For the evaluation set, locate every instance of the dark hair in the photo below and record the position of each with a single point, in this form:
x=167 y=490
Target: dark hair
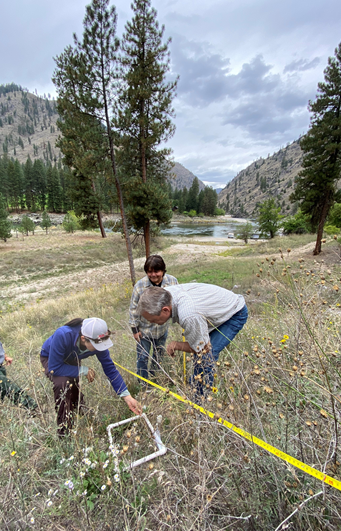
x=155 y=262
x=74 y=322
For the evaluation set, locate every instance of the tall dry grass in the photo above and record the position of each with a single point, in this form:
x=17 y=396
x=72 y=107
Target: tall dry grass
x=279 y=380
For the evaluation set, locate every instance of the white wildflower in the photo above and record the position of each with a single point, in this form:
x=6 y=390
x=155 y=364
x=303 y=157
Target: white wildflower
x=71 y=458
x=81 y=474
x=32 y=520
x=50 y=492
x=116 y=477
x=103 y=487
x=62 y=461
x=55 y=492
x=84 y=493
x=49 y=503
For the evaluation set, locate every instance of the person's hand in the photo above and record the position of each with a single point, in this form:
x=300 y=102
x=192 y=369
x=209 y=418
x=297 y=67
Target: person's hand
x=133 y=404
x=171 y=348
x=8 y=360
x=138 y=336
x=91 y=375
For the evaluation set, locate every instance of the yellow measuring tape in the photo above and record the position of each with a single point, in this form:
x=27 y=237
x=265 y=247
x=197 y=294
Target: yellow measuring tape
x=282 y=455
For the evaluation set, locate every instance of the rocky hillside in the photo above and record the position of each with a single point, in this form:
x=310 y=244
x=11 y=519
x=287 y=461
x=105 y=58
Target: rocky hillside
x=180 y=178
x=28 y=126
x=264 y=178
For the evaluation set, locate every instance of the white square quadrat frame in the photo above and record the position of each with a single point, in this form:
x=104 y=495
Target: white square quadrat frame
x=155 y=434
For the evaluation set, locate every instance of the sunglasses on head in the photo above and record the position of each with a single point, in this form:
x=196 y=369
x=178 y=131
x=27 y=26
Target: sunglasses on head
x=100 y=338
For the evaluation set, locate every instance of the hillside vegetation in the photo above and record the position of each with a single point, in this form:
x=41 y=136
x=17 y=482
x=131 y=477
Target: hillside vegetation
x=264 y=178
x=28 y=126
x=279 y=380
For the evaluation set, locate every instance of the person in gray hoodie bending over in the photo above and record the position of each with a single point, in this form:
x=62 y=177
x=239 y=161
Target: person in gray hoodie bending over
x=11 y=389
x=210 y=315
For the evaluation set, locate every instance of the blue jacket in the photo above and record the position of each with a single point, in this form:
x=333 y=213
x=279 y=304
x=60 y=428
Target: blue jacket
x=65 y=358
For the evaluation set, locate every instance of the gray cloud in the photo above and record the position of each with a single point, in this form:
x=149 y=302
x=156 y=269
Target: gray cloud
x=247 y=68
x=301 y=65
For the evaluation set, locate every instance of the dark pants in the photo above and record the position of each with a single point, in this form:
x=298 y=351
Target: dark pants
x=143 y=349
x=14 y=392
x=67 y=397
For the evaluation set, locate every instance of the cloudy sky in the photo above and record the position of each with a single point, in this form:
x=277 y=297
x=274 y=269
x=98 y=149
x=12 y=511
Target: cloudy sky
x=247 y=68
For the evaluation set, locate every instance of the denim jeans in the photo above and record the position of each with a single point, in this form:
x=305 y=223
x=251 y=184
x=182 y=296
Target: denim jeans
x=220 y=338
x=143 y=349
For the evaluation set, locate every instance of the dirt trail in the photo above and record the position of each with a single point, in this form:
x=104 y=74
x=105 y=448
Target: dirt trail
x=76 y=281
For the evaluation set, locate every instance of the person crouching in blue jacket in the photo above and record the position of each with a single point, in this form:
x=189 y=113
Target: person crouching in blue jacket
x=62 y=355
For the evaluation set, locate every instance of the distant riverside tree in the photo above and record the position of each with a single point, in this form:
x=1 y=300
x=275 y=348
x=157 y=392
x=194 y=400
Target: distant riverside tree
x=46 y=221
x=316 y=184
x=5 y=224
x=297 y=224
x=269 y=218
x=54 y=190
x=84 y=78
x=70 y=222
x=145 y=117
x=26 y=225
x=193 y=193
x=244 y=231
x=209 y=201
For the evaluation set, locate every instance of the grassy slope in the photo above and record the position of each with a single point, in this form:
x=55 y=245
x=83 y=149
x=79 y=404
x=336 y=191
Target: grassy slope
x=271 y=386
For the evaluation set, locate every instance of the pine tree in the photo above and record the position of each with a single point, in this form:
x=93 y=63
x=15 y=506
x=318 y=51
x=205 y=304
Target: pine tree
x=84 y=79
x=28 y=185
x=46 y=221
x=26 y=225
x=39 y=183
x=192 y=199
x=15 y=183
x=70 y=222
x=5 y=224
x=54 y=190
x=209 y=201
x=145 y=114
x=316 y=185
x=4 y=185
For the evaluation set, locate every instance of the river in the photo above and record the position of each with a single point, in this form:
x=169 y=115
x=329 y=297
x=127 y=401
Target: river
x=213 y=230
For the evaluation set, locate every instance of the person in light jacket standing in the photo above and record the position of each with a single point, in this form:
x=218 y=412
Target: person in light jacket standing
x=146 y=334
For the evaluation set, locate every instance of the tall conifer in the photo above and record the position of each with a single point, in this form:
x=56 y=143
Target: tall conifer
x=145 y=115
x=316 y=184
x=84 y=79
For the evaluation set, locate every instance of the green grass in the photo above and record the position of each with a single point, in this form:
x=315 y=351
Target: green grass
x=225 y=273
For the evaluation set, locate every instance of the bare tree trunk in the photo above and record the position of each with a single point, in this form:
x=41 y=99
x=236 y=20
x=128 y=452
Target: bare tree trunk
x=146 y=232
x=322 y=221
x=99 y=216
x=117 y=183
x=100 y=222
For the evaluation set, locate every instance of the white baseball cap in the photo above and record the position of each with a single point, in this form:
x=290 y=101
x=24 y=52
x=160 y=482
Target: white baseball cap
x=96 y=331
